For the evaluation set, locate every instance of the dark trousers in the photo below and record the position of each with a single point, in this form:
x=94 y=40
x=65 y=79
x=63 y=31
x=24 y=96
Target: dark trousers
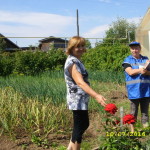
x=144 y=106
x=81 y=123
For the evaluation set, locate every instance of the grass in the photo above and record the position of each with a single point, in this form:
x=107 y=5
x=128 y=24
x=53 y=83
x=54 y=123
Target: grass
x=48 y=85
x=52 y=85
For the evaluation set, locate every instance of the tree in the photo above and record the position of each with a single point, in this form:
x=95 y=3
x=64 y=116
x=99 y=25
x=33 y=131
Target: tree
x=88 y=44
x=2 y=45
x=120 y=31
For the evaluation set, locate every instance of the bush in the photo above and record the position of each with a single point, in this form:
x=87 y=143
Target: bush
x=100 y=58
x=6 y=64
x=31 y=62
x=106 y=58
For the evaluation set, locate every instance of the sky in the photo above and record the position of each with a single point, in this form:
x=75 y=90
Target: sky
x=44 y=18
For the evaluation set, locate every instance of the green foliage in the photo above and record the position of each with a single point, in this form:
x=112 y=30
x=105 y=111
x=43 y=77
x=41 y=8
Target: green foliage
x=121 y=142
x=36 y=118
x=106 y=58
x=118 y=137
x=101 y=58
x=61 y=148
x=106 y=76
x=31 y=63
x=40 y=142
x=57 y=58
x=7 y=63
x=88 y=44
x=118 y=31
x=19 y=113
x=86 y=146
x=43 y=86
x=2 y=45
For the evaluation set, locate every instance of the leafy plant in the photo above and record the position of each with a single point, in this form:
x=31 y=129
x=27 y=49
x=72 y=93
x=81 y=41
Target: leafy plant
x=106 y=58
x=120 y=137
x=40 y=142
x=2 y=45
x=31 y=62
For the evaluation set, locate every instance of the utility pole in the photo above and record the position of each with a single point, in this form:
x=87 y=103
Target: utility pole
x=77 y=23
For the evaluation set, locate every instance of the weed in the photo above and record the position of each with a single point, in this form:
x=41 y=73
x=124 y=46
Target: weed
x=40 y=142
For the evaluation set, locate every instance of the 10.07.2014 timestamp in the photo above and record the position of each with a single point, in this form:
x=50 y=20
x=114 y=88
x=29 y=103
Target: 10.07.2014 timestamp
x=125 y=133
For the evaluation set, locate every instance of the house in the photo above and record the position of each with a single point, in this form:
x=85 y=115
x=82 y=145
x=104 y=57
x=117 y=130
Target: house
x=33 y=48
x=142 y=34
x=9 y=45
x=47 y=43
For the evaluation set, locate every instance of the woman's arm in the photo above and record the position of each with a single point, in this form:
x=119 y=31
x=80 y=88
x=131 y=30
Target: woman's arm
x=77 y=77
x=133 y=72
x=147 y=73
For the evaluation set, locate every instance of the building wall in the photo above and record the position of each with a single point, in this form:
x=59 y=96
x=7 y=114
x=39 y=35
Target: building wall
x=46 y=46
x=57 y=44
x=143 y=38
x=149 y=42
x=143 y=34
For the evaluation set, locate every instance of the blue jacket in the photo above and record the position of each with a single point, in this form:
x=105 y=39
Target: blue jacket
x=138 y=86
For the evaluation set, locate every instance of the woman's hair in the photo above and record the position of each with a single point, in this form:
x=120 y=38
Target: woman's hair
x=75 y=41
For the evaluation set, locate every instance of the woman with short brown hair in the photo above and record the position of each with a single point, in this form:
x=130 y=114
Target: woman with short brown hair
x=78 y=90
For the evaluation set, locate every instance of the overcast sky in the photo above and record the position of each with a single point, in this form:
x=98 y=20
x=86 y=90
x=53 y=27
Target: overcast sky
x=44 y=18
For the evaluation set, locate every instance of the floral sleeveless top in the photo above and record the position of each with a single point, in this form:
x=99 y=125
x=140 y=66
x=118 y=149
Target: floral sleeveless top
x=77 y=99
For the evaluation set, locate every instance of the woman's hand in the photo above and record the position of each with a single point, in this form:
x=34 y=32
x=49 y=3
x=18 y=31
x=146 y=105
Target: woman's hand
x=100 y=99
x=143 y=71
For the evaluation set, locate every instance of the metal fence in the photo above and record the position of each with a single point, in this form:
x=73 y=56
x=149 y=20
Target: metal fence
x=45 y=43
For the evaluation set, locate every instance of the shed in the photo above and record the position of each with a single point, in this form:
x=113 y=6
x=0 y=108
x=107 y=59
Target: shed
x=45 y=44
x=142 y=34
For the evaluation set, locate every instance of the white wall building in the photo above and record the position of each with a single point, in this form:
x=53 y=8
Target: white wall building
x=143 y=34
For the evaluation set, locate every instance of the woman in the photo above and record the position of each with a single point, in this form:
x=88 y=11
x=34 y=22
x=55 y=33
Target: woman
x=137 y=82
x=78 y=90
